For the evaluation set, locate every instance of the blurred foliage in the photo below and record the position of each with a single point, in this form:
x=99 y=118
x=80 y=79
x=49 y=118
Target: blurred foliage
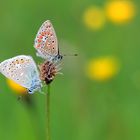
x=81 y=108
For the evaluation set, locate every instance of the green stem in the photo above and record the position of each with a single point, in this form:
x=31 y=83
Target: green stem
x=48 y=113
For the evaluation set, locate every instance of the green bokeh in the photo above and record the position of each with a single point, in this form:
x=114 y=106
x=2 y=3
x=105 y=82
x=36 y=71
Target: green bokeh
x=81 y=109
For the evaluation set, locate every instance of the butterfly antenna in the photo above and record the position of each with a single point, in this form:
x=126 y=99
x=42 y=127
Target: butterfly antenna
x=71 y=54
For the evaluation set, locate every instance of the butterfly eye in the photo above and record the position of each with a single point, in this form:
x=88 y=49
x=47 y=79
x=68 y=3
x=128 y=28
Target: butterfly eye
x=29 y=91
x=60 y=57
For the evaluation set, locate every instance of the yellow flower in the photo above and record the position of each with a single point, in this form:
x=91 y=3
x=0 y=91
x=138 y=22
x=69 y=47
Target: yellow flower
x=120 y=11
x=94 y=18
x=16 y=87
x=102 y=68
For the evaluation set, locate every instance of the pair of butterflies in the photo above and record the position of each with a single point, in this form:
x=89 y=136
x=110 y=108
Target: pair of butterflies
x=23 y=70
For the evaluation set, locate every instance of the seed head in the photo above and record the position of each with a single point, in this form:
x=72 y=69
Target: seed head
x=48 y=71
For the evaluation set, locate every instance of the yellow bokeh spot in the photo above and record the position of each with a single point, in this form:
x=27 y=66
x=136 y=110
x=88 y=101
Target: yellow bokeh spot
x=16 y=87
x=94 y=18
x=120 y=11
x=102 y=68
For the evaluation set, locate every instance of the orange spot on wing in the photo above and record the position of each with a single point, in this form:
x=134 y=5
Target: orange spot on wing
x=39 y=40
x=40 y=37
x=22 y=61
x=38 y=46
x=42 y=34
x=47 y=32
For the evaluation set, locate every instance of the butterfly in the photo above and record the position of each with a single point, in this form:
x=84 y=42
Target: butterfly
x=23 y=70
x=46 y=43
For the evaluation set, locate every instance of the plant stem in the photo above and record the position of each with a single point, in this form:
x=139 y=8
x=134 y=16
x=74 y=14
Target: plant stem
x=48 y=113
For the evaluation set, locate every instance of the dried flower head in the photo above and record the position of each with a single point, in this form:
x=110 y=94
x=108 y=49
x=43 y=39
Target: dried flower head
x=48 y=71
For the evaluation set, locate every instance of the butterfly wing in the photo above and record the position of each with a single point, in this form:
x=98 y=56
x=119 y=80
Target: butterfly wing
x=46 y=42
x=20 y=69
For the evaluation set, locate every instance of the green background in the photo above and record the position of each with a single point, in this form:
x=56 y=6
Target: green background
x=81 y=109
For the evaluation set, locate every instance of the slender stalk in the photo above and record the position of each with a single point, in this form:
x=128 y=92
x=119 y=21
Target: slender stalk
x=48 y=113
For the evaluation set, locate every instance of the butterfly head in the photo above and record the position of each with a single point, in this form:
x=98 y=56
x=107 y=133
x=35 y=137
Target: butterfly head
x=57 y=58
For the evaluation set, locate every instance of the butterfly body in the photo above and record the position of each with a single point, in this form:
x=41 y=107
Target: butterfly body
x=36 y=85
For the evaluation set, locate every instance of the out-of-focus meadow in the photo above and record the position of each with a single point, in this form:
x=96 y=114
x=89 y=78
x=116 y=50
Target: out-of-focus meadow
x=98 y=95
